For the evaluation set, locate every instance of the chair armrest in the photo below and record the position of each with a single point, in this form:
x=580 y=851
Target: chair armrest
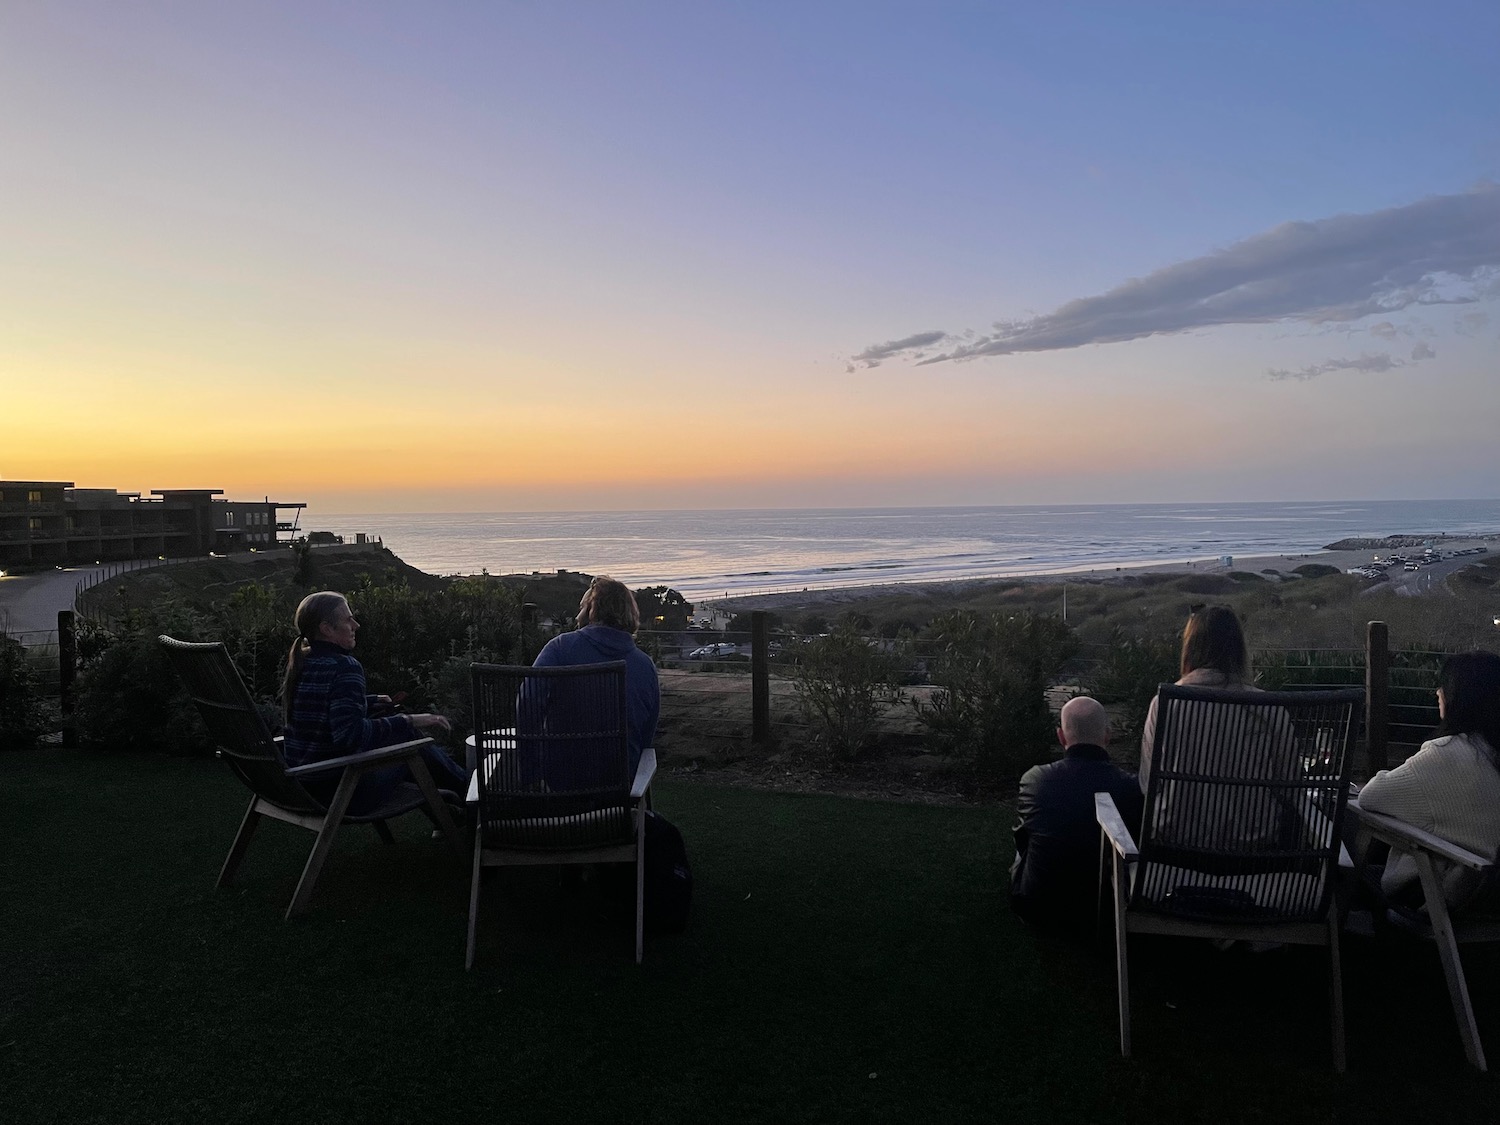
x=1412 y=838
x=378 y=756
x=1113 y=827
x=645 y=770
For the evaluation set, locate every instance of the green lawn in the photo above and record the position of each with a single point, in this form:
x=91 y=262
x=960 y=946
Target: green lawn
x=847 y=961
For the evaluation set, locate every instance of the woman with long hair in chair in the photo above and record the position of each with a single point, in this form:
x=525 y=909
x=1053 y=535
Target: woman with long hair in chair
x=327 y=710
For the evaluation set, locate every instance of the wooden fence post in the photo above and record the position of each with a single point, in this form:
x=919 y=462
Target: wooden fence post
x=760 y=680
x=67 y=669
x=1377 y=695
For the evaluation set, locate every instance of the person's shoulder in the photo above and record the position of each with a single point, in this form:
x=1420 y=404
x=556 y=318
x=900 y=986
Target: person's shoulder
x=330 y=661
x=556 y=650
x=1043 y=773
x=1452 y=747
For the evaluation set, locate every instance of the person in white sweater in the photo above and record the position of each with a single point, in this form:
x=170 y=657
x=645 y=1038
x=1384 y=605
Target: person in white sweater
x=1451 y=786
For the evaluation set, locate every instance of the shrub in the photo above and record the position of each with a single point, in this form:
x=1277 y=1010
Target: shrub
x=1206 y=584
x=1289 y=668
x=407 y=637
x=1129 y=674
x=255 y=623
x=22 y=718
x=130 y=699
x=1245 y=576
x=843 y=684
x=663 y=608
x=1315 y=570
x=991 y=673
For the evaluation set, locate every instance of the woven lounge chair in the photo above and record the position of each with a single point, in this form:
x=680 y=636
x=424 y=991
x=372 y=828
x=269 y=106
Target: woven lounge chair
x=1478 y=921
x=552 y=780
x=1240 y=835
x=247 y=746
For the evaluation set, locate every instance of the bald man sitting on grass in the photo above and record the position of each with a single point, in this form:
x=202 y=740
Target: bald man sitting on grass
x=1054 y=879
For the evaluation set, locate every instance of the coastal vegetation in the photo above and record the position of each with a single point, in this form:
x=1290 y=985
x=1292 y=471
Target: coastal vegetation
x=946 y=687
x=1313 y=606
x=419 y=635
x=990 y=674
x=23 y=718
x=843 y=684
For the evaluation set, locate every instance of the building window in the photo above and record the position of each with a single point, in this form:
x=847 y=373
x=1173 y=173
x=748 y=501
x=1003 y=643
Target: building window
x=228 y=519
x=35 y=523
x=72 y=522
x=34 y=496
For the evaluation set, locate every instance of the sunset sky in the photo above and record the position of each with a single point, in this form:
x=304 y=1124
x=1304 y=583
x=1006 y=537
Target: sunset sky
x=556 y=255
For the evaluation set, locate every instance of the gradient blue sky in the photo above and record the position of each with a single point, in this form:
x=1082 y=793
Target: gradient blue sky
x=552 y=255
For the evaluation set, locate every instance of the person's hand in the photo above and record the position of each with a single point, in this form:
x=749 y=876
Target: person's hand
x=431 y=722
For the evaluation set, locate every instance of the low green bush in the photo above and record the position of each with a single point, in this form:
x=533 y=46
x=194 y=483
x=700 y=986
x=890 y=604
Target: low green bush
x=1128 y=676
x=23 y=719
x=844 y=682
x=1315 y=570
x=130 y=699
x=990 y=675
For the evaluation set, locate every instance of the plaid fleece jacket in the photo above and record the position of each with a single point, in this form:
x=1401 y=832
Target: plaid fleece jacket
x=330 y=711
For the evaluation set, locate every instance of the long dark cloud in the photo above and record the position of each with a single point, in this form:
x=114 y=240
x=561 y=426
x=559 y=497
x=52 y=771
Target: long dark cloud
x=1442 y=250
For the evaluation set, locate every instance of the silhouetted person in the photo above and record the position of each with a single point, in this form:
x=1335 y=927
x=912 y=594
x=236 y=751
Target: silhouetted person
x=1055 y=877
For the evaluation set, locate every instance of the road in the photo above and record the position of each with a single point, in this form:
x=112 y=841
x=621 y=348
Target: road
x=29 y=603
x=1429 y=580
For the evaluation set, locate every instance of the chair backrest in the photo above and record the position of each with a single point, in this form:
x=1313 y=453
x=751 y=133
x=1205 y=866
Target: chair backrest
x=234 y=722
x=1244 y=802
x=551 y=744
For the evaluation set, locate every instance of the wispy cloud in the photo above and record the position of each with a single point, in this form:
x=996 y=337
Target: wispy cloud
x=1442 y=250
x=876 y=353
x=1365 y=362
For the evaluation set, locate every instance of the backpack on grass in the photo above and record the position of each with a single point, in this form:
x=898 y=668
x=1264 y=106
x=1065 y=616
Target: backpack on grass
x=668 y=880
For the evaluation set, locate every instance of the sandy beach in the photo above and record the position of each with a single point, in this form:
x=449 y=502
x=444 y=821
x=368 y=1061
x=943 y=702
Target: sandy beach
x=1275 y=567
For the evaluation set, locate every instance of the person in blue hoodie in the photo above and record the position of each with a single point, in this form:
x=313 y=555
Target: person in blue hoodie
x=607 y=622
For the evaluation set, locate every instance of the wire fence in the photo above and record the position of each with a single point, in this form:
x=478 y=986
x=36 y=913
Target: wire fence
x=707 y=674
x=43 y=657
x=707 y=685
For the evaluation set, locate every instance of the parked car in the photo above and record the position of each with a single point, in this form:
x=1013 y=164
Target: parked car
x=710 y=652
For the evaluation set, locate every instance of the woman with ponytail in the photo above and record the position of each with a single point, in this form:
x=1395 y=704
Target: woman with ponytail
x=327 y=711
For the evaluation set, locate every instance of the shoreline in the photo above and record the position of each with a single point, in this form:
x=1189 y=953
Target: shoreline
x=1342 y=555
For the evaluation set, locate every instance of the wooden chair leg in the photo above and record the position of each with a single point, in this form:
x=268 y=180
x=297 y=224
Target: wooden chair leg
x=437 y=808
x=241 y=842
x=1453 y=970
x=474 y=898
x=331 y=821
x=640 y=883
x=1336 y=992
x=383 y=830
x=1122 y=963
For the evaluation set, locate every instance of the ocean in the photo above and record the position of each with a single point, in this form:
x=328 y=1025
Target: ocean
x=720 y=553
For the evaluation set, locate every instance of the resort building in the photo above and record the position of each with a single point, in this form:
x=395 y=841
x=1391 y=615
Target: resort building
x=50 y=523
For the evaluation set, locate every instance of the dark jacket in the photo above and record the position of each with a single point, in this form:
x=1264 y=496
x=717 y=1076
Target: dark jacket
x=1054 y=879
x=599 y=644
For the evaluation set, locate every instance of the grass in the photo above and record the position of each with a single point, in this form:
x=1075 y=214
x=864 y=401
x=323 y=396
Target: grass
x=847 y=961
